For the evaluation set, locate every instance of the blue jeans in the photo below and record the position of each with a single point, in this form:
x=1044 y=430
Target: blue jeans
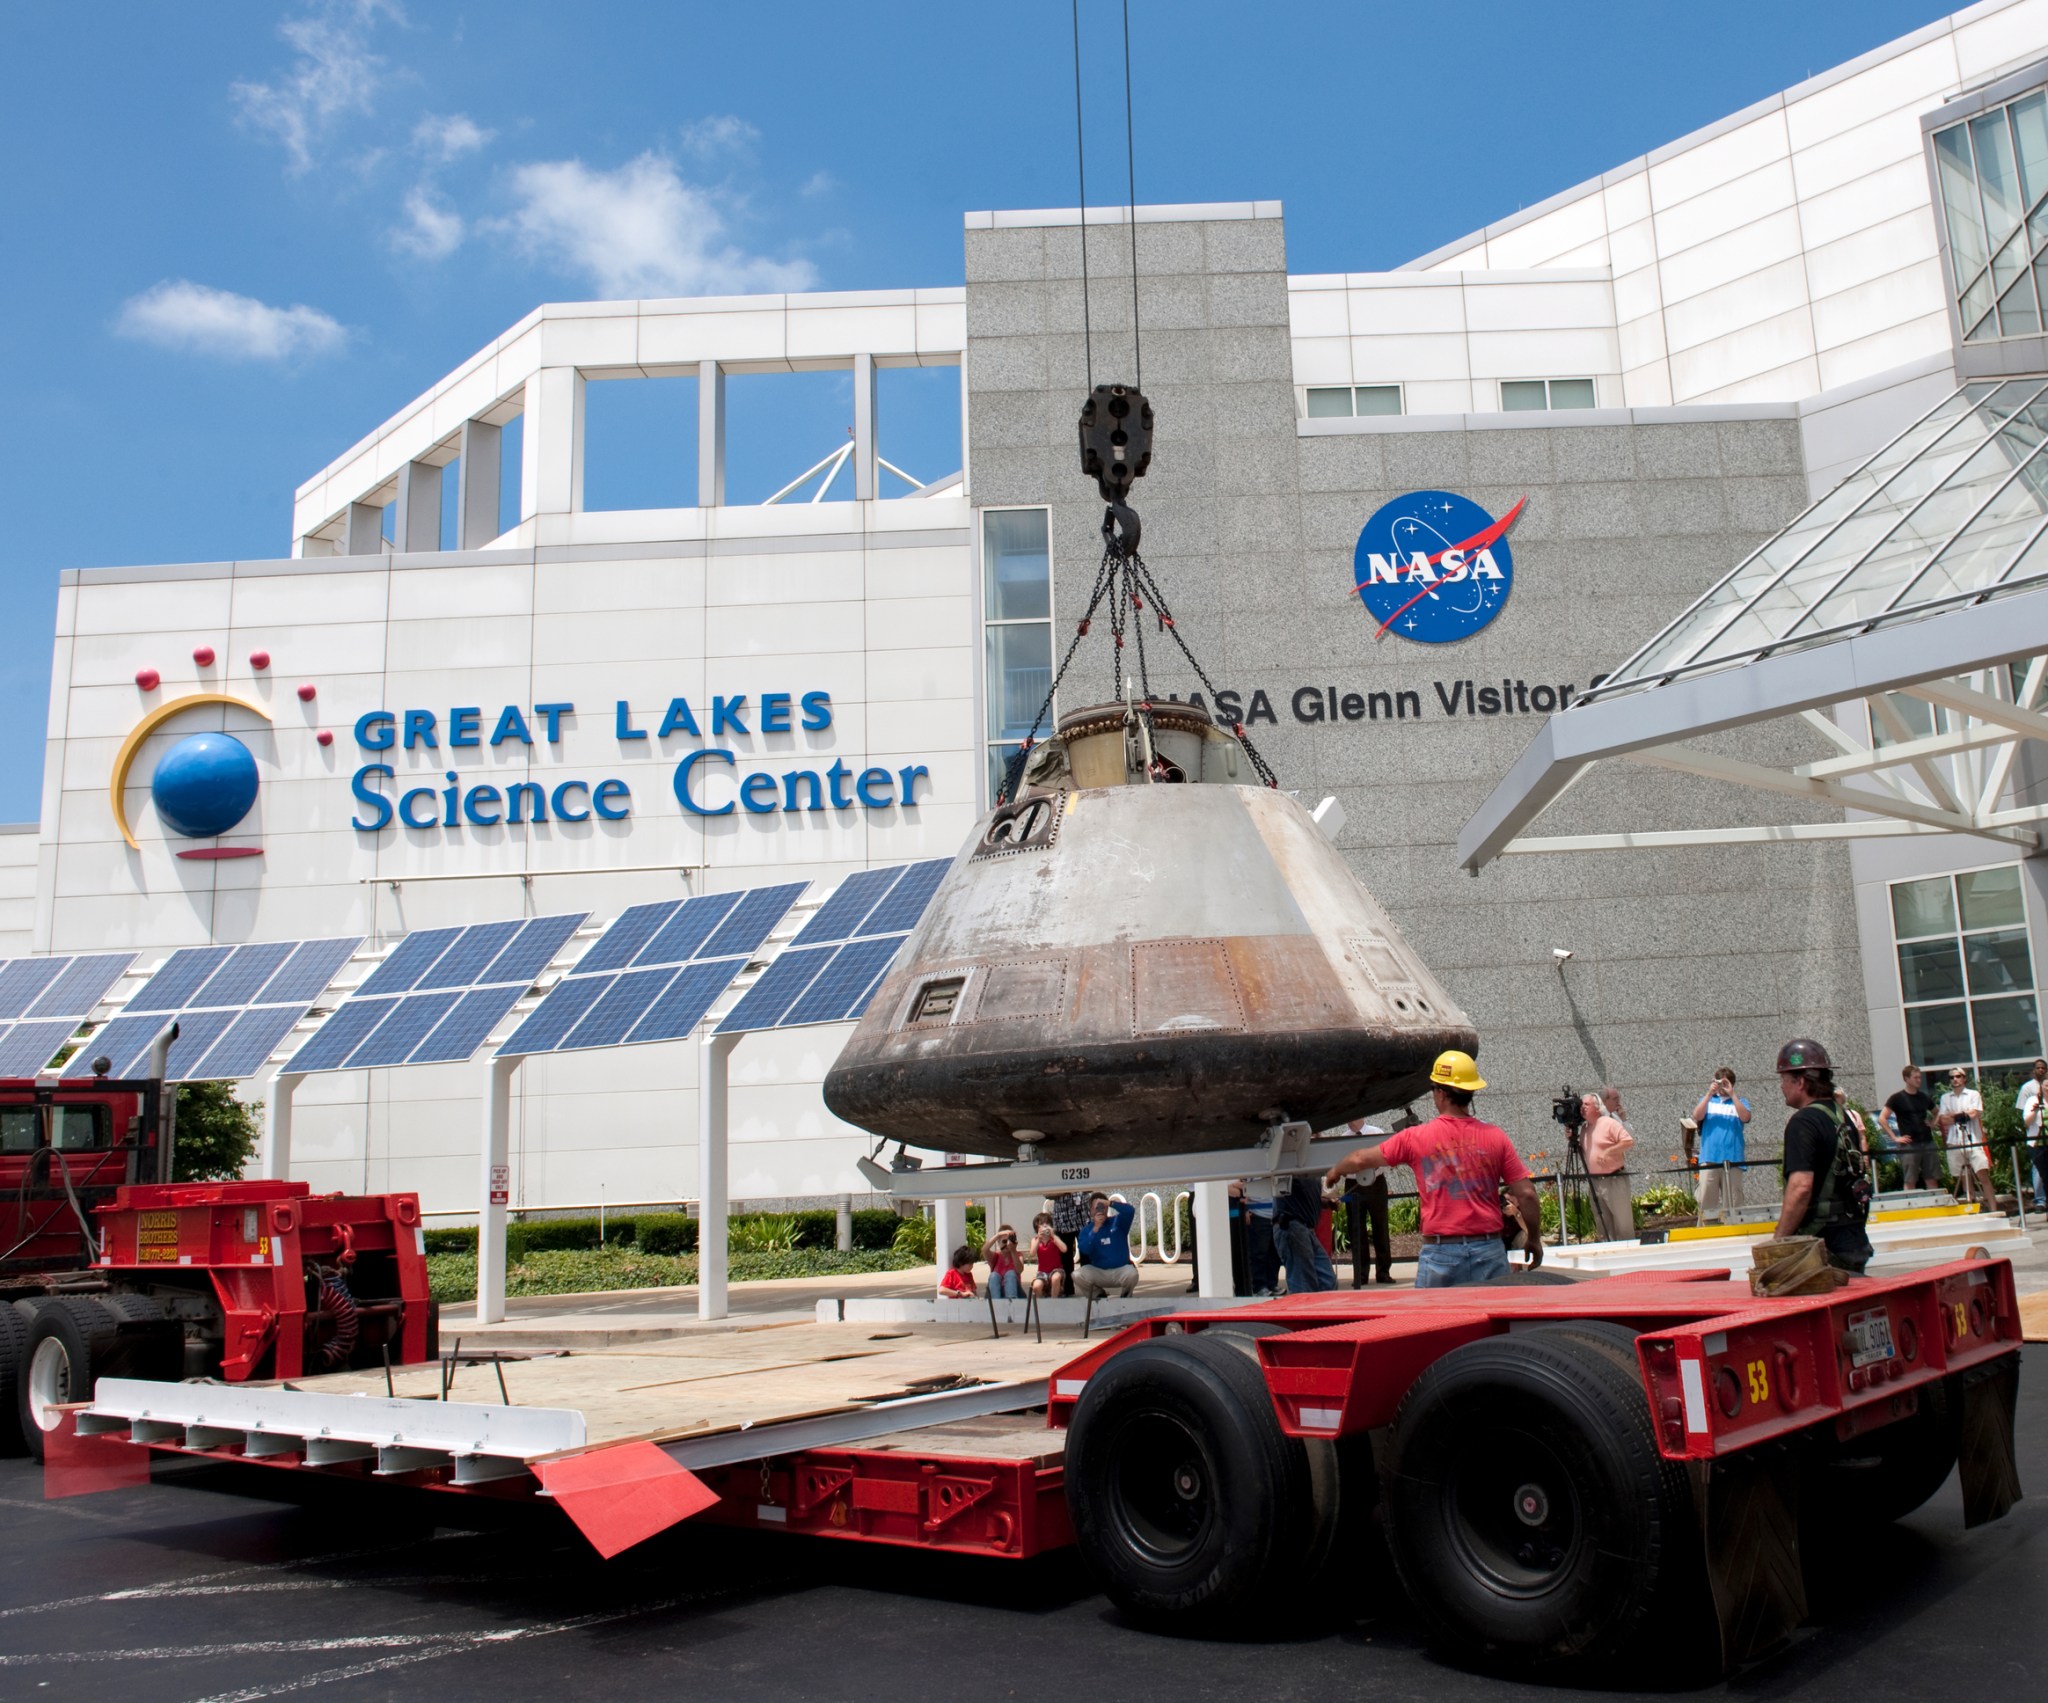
x=1449 y=1265
x=1003 y=1286
x=1308 y=1268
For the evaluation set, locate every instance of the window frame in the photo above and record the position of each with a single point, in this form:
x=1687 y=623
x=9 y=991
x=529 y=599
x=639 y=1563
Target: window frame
x=1350 y=392
x=1959 y=936
x=988 y=747
x=1550 y=405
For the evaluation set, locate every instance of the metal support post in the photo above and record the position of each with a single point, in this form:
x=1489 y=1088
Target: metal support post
x=843 y=1227
x=864 y=450
x=949 y=1230
x=276 y=1158
x=495 y=1190
x=1213 y=1277
x=710 y=435
x=712 y=1174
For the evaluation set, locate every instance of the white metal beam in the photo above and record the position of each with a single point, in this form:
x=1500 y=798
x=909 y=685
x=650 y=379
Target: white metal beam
x=1954 y=695
x=1867 y=761
x=1772 y=834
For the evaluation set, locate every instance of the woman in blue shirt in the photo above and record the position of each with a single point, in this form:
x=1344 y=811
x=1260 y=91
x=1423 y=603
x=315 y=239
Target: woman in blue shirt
x=1720 y=1117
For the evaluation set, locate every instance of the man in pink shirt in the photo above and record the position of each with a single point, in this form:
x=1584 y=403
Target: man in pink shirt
x=1605 y=1141
x=1460 y=1164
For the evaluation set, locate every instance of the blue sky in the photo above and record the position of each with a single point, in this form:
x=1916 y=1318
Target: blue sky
x=239 y=236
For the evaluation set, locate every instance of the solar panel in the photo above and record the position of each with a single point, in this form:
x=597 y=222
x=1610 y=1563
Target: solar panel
x=233 y=1006
x=438 y=996
x=44 y=1000
x=655 y=972
x=831 y=969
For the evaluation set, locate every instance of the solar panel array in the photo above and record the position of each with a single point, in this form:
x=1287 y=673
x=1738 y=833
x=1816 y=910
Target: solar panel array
x=233 y=1005
x=438 y=996
x=43 y=1001
x=655 y=972
x=831 y=969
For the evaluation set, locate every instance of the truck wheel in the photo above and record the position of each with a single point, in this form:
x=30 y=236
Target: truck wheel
x=1530 y=1515
x=13 y=1340
x=58 y=1363
x=1189 y=1503
x=1885 y=1474
x=147 y=1344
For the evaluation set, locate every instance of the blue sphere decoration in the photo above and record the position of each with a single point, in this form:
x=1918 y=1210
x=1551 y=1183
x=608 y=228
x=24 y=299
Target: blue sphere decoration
x=204 y=785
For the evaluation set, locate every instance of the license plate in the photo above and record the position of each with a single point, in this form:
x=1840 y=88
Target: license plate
x=1870 y=1337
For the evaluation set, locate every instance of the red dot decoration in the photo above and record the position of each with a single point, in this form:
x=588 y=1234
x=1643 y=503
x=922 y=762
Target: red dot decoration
x=203 y=655
x=259 y=660
x=148 y=679
x=307 y=693
x=323 y=738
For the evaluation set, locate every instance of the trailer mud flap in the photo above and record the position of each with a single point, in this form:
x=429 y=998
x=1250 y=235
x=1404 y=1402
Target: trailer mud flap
x=623 y=1495
x=1749 y=1513
x=1985 y=1461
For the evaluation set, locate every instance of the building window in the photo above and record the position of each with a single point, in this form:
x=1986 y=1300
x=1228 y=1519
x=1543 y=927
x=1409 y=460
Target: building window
x=1016 y=580
x=1993 y=172
x=1344 y=401
x=1534 y=395
x=1966 y=973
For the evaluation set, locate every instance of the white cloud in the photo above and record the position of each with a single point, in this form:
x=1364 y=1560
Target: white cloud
x=199 y=320
x=431 y=231
x=718 y=134
x=334 y=74
x=637 y=231
x=819 y=183
x=444 y=138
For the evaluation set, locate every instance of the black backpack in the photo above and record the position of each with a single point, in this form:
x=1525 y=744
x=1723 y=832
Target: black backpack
x=1843 y=1195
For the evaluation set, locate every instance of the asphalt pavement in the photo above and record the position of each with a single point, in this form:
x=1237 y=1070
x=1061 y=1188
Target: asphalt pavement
x=234 y=1584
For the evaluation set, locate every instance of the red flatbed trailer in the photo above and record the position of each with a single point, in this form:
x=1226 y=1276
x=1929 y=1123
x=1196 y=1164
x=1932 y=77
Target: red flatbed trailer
x=1560 y=1472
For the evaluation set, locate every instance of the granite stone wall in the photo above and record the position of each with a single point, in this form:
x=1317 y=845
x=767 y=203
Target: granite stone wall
x=1683 y=960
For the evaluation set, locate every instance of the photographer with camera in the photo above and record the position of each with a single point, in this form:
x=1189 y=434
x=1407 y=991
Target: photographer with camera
x=1460 y=1164
x=1721 y=1119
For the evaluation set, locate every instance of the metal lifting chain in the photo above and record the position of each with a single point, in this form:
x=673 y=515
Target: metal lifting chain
x=1125 y=580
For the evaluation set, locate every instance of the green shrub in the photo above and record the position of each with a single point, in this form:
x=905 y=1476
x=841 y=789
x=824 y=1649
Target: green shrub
x=217 y=1133
x=918 y=1238
x=461 y=1240
x=762 y=1233
x=874 y=1228
x=571 y=1271
x=1665 y=1200
x=1404 y=1217
x=665 y=1233
x=1584 y=1226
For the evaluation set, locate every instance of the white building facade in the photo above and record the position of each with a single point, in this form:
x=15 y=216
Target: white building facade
x=572 y=710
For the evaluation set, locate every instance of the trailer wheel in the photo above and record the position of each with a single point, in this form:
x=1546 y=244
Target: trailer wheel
x=58 y=1363
x=1530 y=1515
x=1189 y=1503
x=13 y=1340
x=147 y=1344
x=1885 y=1474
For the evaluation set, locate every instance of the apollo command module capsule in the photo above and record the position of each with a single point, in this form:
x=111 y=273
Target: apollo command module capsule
x=1144 y=952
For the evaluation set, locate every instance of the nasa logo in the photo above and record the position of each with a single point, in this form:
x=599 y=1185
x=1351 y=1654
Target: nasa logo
x=1434 y=566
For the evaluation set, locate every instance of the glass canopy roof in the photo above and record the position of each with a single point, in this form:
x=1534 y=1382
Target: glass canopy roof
x=1950 y=512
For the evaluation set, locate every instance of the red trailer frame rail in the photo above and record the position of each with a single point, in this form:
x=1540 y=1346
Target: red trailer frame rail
x=1723 y=1370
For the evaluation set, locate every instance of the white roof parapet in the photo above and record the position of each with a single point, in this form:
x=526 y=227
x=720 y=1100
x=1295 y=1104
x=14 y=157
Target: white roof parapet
x=1931 y=659
x=814 y=332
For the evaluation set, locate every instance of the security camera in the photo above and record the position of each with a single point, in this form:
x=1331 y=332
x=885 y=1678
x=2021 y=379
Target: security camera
x=1560 y=953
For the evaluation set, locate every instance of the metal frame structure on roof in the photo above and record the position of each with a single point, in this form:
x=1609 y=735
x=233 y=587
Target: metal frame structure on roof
x=1953 y=781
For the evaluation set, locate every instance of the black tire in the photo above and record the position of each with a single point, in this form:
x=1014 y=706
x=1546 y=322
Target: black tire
x=148 y=1343
x=1883 y=1475
x=1531 y=1518
x=1190 y=1505
x=1542 y=1278
x=69 y=1337
x=13 y=1340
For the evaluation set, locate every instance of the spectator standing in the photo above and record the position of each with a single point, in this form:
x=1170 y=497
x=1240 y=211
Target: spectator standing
x=959 y=1278
x=1460 y=1164
x=1107 y=1266
x=1723 y=1119
x=1906 y=1116
x=1259 y=1251
x=1854 y=1119
x=1296 y=1209
x=1610 y=1101
x=1005 y=1269
x=1962 y=1129
x=1069 y=1219
x=1605 y=1140
x=2028 y=1103
x=1366 y=1218
x=1051 y=1254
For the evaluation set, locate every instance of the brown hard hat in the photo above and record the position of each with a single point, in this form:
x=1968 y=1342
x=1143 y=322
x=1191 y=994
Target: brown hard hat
x=1804 y=1054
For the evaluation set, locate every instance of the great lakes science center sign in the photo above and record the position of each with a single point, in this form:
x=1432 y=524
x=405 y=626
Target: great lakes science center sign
x=478 y=804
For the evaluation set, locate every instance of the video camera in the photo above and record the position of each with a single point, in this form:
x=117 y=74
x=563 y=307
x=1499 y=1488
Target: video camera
x=1567 y=1110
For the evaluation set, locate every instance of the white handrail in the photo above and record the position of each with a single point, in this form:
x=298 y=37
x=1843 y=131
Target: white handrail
x=1160 y=1219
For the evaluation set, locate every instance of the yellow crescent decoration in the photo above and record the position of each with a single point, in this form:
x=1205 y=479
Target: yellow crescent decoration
x=117 y=788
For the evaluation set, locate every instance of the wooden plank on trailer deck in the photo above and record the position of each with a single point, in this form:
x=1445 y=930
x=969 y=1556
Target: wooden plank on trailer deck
x=2034 y=1316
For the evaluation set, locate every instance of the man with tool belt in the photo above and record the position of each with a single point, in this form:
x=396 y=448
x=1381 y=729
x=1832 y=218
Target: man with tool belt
x=1827 y=1178
x=1460 y=1164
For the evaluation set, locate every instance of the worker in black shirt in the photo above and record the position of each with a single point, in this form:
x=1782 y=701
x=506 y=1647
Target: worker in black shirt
x=1827 y=1181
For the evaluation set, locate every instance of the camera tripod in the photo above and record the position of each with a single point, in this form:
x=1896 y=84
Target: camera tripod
x=1573 y=1182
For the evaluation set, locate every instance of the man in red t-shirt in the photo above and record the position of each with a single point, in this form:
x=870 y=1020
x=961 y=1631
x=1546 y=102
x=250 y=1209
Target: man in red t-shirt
x=1460 y=1164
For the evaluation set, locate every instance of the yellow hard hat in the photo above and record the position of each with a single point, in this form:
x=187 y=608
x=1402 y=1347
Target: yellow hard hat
x=1457 y=1070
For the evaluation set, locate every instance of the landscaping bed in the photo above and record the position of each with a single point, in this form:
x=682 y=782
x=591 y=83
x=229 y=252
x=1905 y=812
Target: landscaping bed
x=582 y=1271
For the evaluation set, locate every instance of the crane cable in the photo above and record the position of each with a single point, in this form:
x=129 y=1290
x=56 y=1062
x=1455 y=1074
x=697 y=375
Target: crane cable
x=1130 y=205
